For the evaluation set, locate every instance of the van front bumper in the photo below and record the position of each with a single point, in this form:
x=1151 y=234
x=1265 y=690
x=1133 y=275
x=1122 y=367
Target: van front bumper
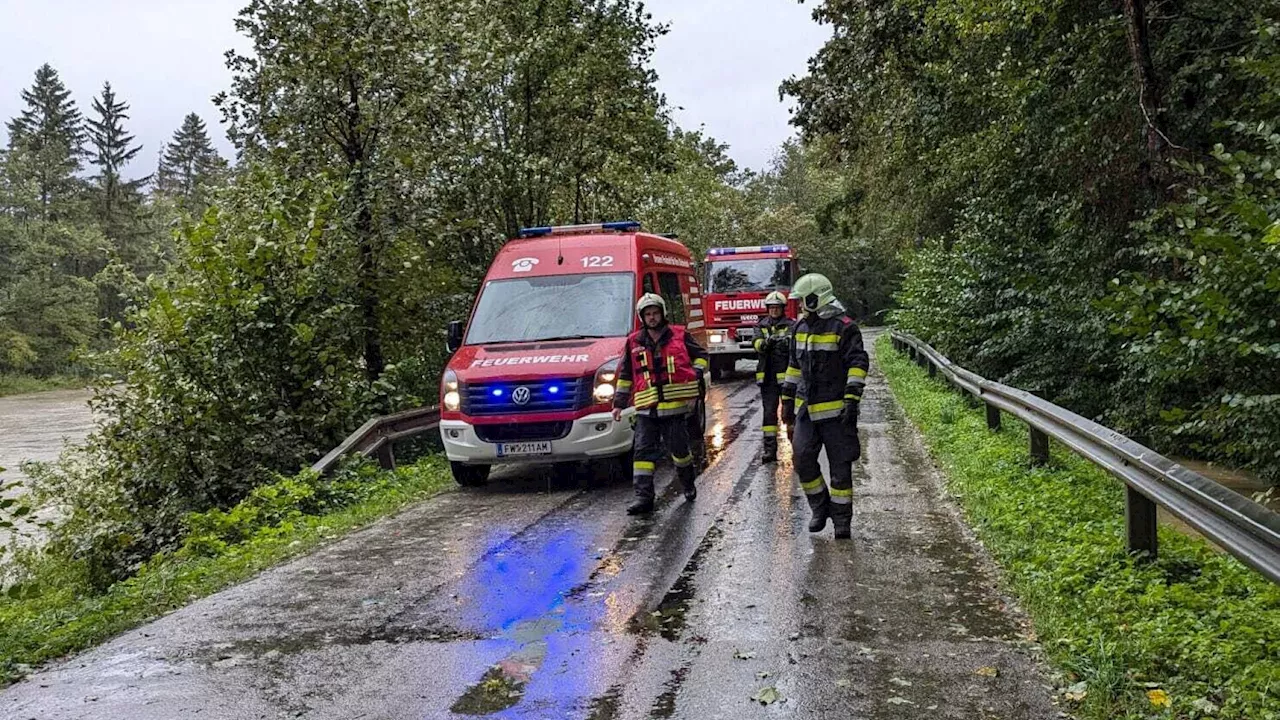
x=590 y=437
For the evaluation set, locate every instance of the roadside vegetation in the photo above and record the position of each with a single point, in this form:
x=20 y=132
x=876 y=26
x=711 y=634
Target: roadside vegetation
x=53 y=607
x=1083 y=194
x=1194 y=634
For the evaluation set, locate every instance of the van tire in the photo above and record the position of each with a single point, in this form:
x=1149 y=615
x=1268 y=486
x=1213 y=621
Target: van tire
x=620 y=468
x=698 y=435
x=469 y=475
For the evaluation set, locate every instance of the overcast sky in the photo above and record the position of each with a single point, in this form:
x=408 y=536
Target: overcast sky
x=719 y=66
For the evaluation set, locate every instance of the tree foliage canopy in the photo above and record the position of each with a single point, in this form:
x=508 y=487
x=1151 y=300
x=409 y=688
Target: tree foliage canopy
x=1084 y=189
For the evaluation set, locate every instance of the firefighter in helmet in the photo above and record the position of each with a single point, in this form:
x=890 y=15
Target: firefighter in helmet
x=773 y=348
x=661 y=374
x=820 y=396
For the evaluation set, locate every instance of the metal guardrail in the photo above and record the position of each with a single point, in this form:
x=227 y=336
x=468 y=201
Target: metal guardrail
x=1247 y=530
x=379 y=434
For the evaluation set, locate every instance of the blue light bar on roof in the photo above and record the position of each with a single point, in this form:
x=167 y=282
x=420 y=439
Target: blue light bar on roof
x=749 y=250
x=620 y=226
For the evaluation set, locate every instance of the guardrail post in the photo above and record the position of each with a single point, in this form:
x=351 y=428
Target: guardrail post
x=387 y=456
x=1039 y=448
x=993 y=417
x=1140 y=520
x=933 y=370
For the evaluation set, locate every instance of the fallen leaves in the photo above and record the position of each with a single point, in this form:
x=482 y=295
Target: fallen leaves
x=1077 y=692
x=767 y=696
x=987 y=671
x=1159 y=698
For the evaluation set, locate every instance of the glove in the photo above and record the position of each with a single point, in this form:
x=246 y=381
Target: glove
x=849 y=413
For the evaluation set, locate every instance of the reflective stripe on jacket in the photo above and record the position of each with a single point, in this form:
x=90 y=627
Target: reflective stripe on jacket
x=660 y=376
x=827 y=367
x=771 y=364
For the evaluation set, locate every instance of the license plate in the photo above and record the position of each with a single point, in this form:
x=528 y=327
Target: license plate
x=524 y=448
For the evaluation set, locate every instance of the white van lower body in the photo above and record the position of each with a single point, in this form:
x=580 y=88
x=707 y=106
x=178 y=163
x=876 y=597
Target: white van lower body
x=587 y=438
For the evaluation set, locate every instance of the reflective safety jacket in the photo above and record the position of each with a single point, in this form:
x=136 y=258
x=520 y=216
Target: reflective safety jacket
x=771 y=360
x=660 y=376
x=828 y=365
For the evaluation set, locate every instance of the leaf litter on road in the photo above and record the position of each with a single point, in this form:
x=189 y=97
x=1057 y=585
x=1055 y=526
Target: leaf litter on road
x=767 y=696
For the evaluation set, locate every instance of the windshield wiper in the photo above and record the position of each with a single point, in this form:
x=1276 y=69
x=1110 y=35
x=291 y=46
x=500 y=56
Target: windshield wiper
x=569 y=337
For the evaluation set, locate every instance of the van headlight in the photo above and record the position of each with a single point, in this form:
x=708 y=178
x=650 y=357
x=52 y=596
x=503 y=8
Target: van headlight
x=605 y=380
x=717 y=338
x=449 y=394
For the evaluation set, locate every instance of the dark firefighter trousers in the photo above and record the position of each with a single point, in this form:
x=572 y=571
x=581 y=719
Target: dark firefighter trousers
x=650 y=434
x=841 y=443
x=770 y=395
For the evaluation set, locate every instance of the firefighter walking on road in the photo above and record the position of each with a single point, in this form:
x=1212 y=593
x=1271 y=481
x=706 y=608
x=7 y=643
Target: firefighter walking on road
x=773 y=349
x=661 y=373
x=821 y=395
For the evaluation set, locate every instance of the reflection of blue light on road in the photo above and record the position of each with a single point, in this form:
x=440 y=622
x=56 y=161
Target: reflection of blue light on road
x=520 y=592
x=518 y=582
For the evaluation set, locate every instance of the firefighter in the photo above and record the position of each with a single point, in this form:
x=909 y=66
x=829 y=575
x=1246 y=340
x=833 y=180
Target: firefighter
x=772 y=345
x=820 y=396
x=661 y=373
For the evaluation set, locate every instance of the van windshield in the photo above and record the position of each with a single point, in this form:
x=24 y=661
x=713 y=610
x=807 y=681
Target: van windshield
x=552 y=307
x=759 y=275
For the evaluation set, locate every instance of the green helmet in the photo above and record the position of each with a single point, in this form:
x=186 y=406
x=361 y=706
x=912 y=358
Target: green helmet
x=775 y=298
x=813 y=291
x=648 y=300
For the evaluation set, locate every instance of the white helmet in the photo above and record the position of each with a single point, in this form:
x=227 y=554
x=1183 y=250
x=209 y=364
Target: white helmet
x=775 y=298
x=648 y=300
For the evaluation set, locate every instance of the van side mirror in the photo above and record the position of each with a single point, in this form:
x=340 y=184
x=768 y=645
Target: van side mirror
x=454 y=340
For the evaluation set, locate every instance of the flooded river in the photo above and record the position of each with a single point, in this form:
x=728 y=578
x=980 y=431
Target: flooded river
x=35 y=427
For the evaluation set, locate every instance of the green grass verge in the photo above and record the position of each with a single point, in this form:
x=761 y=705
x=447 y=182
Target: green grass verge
x=21 y=384
x=1194 y=634
x=58 y=613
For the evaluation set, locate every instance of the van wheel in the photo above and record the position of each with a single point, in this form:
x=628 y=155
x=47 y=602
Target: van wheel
x=469 y=475
x=620 y=468
x=698 y=436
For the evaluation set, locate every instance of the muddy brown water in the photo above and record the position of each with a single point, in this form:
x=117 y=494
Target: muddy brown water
x=36 y=427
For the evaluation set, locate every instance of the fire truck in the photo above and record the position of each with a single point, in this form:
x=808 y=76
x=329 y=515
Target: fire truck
x=735 y=285
x=532 y=373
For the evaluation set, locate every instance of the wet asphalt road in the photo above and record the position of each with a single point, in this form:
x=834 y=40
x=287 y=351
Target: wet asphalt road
x=517 y=601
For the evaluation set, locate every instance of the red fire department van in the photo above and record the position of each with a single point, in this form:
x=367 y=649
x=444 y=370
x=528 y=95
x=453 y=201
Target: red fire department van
x=737 y=281
x=531 y=379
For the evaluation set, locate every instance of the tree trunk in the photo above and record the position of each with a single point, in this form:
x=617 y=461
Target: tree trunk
x=374 y=363
x=1144 y=74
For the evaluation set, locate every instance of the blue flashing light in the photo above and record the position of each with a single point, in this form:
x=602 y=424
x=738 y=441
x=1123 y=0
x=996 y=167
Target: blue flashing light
x=622 y=226
x=554 y=389
x=750 y=249
x=532 y=232
x=497 y=392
